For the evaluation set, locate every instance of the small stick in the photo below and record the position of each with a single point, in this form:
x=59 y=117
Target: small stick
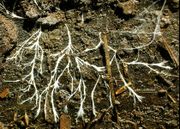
x=108 y=66
x=170 y=51
x=122 y=89
x=171 y=98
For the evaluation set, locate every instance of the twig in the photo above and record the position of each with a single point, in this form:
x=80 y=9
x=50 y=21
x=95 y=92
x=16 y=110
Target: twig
x=108 y=66
x=109 y=75
x=171 y=98
x=122 y=89
x=170 y=51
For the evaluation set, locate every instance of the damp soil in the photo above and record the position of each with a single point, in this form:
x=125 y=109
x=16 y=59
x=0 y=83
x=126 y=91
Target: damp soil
x=127 y=24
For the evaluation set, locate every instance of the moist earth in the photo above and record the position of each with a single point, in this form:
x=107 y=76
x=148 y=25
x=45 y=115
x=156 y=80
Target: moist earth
x=143 y=39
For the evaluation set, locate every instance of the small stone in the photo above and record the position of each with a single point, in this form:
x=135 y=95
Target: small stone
x=165 y=21
x=129 y=7
x=52 y=18
x=117 y=102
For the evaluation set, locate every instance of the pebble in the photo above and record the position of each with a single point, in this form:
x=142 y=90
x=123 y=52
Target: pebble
x=52 y=18
x=117 y=102
x=129 y=7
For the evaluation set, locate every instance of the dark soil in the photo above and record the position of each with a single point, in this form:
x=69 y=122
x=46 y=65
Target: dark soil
x=127 y=24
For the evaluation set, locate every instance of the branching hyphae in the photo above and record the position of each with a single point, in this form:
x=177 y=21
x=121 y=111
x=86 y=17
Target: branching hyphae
x=67 y=76
x=11 y=14
x=66 y=56
x=34 y=65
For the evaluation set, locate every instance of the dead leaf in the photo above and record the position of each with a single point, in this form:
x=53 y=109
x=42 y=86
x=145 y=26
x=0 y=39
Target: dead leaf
x=65 y=122
x=4 y=93
x=26 y=119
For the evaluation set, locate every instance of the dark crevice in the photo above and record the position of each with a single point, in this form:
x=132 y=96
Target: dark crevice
x=119 y=12
x=102 y=53
x=69 y=4
x=10 y=4
x=114 y=116
x=164 y=53
x=14 y=6
x=29 y=24
x=48 y=27
x=161 y=81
